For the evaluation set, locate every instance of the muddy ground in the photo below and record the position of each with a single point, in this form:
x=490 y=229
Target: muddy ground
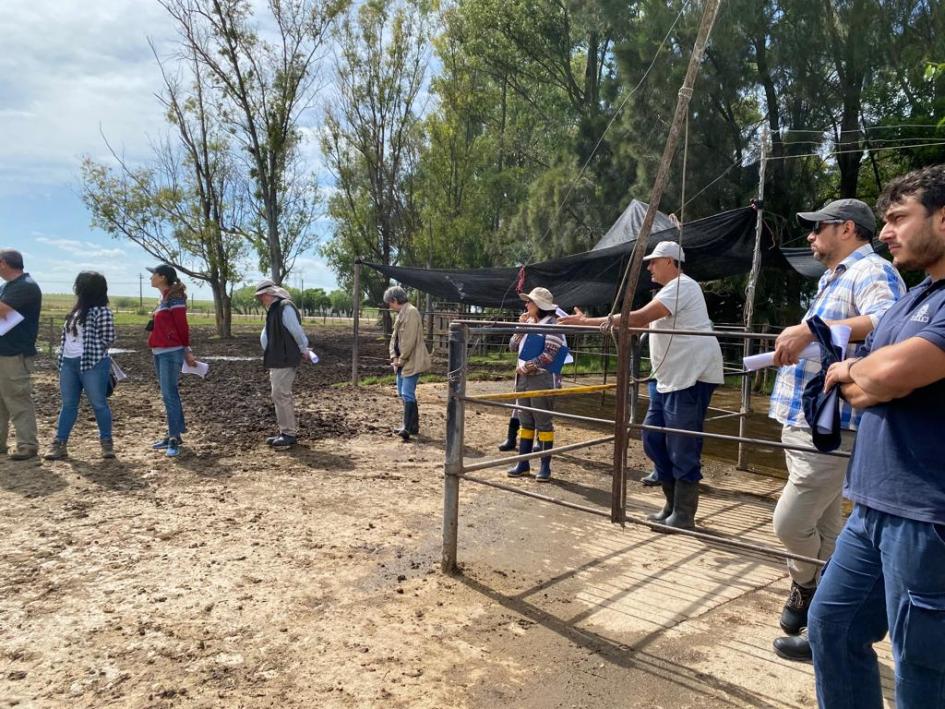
x=239 y=576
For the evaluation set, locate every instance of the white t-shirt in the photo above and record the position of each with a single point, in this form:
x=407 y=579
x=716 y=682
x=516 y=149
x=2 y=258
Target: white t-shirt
x=679 y=361
x=73 y=347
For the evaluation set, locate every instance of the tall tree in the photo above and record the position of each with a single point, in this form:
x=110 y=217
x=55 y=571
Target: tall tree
x=371 y=133
x=187 y=205
x=266 y=79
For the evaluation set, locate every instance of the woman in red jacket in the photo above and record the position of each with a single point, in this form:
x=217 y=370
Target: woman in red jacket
x=170 y=344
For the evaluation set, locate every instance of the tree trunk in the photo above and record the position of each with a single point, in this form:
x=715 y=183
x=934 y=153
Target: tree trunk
x=222 y=309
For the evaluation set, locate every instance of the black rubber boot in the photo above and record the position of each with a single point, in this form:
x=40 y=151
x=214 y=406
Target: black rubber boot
x=544 y=472
x=512 y=439
x=669 y=492
x=685 y=504
x=795 y=648
x=411 y=420
x=525 y=445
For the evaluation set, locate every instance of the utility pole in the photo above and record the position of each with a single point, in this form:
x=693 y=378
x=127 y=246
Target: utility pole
x=140 y=290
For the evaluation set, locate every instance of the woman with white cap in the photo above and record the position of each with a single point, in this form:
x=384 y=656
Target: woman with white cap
x=540 y=359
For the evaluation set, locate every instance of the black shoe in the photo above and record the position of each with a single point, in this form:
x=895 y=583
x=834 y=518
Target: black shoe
x=795 y=648
x=650 y=480
x=284 y=441
x=272 y=439
x=794 y=615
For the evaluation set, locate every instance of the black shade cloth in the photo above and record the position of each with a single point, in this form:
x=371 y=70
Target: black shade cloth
x=816 y=401
x=715 y=247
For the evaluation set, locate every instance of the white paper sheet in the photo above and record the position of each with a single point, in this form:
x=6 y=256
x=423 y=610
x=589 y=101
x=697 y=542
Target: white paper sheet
x=312 y=357
x=9 y=321
x=200 y=369
x=839 y=334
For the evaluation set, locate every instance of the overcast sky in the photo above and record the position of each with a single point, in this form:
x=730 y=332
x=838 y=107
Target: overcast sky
x=70 y=71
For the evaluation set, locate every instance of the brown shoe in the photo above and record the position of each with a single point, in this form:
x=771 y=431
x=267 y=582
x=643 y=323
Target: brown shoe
x=57 y=450
x=108 y=448
x=23 y=454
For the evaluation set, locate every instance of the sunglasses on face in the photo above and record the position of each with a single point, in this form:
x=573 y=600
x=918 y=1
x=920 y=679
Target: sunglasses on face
x=818 y=226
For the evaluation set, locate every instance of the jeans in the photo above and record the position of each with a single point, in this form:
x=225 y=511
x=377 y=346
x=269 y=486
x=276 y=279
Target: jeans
x=168 y=365
x=94 y=382
x=886 y=573
x=677 y=457
x=407 y=386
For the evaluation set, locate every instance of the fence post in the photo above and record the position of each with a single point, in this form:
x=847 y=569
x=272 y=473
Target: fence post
x=356 y=313
x=455 y=425
x=52 y=334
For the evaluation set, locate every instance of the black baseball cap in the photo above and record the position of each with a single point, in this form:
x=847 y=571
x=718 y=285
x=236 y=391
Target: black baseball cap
x=170 y=275
x=841 y=210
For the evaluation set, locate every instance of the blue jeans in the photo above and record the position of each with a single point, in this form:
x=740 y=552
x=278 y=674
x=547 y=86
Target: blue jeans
x=887 y=573
x=94 y=382
x=677 y=457
x=167 y=365
x=407 y=386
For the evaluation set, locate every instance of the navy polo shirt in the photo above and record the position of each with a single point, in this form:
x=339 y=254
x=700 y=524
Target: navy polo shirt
x=23 y=295
x=898 y=464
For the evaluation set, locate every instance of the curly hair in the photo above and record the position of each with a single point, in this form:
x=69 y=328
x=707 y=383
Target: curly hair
x=926 y=185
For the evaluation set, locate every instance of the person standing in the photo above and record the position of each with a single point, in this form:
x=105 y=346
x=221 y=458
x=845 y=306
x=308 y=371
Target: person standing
x=887 y=573
x=170 y=344
x=408 y=356
x=284 y=345
x=84 y=364
x=857 y=288
x=687 y=369
x=19 y=295
x=541 y=357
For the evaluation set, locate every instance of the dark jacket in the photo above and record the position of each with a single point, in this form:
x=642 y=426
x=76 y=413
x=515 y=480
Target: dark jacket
x=282 y=350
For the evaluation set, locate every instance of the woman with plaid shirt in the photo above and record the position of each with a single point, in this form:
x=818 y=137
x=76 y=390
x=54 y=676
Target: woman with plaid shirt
x=84 y=364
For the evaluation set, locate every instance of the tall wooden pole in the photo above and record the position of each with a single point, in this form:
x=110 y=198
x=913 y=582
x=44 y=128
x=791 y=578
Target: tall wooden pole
x=742 y=462
x=356 y=314
x=455 y=427
x=636 y=259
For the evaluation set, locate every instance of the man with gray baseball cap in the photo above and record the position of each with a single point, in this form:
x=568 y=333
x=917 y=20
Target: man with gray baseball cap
x=839 y=211
x=857 y=288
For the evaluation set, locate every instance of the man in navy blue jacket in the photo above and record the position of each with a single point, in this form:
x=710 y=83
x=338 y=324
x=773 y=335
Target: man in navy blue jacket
x=888 y=570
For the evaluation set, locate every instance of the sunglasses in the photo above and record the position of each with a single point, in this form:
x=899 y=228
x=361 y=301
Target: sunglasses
x=818 y=226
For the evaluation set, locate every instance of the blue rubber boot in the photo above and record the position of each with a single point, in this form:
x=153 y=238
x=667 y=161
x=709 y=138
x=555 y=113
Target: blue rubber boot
x=544 y=472
x=526 y=441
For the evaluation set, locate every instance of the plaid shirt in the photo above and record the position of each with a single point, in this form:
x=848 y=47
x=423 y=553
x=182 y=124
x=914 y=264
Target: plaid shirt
x=98 y=334
x=864 y=283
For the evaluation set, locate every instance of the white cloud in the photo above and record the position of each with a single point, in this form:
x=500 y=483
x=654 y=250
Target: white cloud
x=85 y=249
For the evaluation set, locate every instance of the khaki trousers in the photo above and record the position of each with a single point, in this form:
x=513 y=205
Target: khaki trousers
x=282 y=380
x=16 y=402
x=807 y=518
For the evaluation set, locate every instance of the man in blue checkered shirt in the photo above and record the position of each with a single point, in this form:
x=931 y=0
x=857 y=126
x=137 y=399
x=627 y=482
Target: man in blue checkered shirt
x=857 y=288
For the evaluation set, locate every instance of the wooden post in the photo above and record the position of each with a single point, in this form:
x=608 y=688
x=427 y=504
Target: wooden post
x=52 y=335
x=742 y=460
x=455 y=426
x=621 y=432
x=356 y=316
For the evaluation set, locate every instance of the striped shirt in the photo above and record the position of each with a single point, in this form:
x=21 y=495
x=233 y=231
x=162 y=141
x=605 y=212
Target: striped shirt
x=864 y=283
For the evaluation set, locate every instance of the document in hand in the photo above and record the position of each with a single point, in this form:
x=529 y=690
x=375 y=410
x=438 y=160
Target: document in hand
x=312 y=357
x=840 y=334
x=200 y=369
x=9 y=321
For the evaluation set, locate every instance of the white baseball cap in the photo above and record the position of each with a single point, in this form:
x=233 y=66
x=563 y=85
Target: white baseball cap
x=667 y=249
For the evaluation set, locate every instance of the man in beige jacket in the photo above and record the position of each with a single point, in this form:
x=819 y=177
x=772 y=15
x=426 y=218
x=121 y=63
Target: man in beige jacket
x=408 y=357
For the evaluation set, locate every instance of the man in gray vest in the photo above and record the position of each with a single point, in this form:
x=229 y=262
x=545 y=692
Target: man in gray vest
x=284 y=345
